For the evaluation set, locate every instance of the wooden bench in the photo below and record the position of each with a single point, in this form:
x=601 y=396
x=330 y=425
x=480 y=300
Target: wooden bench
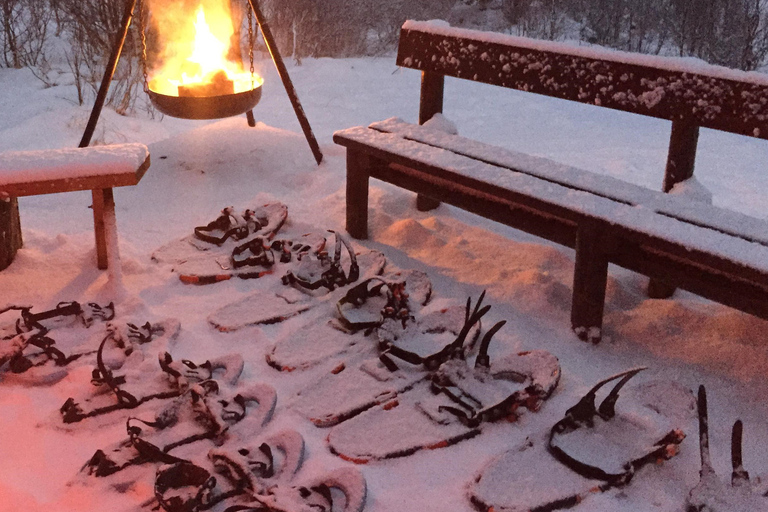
x=715 y=253
x=99 y=169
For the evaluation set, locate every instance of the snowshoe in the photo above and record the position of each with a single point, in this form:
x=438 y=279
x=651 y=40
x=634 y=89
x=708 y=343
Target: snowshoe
x=267 y=307
x=321 y=340
x=452 y=406
x=591 y=450
x=314 y=495
x=220 y=236
x=140 y=381
x=39 y=347
x=256 y=258
x=201 y=412
x=373 y=378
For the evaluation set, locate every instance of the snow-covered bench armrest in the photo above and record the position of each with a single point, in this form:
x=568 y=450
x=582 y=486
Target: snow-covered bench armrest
x=27 y=173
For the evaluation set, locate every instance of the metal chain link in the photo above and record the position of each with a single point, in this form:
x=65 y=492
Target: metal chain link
x=142 y=21
x=251 y=42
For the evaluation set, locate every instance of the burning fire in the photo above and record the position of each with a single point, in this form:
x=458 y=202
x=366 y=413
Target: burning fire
x=196 y=58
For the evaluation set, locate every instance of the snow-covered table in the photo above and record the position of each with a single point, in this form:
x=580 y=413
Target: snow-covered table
x=99 y=169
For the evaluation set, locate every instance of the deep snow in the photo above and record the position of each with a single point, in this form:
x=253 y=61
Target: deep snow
x=200 y=167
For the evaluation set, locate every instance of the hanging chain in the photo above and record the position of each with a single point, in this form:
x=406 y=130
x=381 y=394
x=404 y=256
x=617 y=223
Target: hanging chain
x=251 y=43
x=143 y=36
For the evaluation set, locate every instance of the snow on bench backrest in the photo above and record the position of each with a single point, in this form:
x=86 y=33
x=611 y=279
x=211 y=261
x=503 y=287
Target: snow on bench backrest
x=662 y=87
x=121 y=164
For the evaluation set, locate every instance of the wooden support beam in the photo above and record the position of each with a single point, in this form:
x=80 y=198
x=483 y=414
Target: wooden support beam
x=681 y=160
x=590 y=277
x=357 y=194
x=10 y=230
x=431 y=103
x=103 y=206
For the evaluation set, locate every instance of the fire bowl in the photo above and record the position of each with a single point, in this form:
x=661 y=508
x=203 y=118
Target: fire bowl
x=206 y=107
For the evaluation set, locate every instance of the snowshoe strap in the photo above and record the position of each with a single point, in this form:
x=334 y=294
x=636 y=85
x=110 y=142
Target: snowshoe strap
x=253 y=253
x=178 y=475
x=124 y=398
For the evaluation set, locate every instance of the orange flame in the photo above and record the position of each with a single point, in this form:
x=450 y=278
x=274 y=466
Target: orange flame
x=195 y=49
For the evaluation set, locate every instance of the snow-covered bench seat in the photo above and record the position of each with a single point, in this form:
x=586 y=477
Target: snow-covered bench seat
x=709 y=251
x=715 y=253
x=98 y=168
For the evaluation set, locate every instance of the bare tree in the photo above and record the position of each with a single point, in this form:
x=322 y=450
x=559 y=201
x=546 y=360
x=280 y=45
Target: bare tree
x=23 y=31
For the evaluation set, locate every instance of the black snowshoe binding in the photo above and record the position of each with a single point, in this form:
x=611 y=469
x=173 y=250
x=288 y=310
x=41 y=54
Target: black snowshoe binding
x=584 y=438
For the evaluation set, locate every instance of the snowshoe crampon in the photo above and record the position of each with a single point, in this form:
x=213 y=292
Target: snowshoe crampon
x=591 y=450
x=712 y=494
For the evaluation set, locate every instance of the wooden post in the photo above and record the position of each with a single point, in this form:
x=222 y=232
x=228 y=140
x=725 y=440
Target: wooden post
x=357 y=194
x=431 y=103
x=10 y=230
x=680 y=164
x=103 y=201
x=590 y=277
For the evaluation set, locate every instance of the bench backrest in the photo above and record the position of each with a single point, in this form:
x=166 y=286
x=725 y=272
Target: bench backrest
x=688 y=94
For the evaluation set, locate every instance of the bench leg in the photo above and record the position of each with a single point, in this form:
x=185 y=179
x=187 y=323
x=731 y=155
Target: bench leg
x=10 y=230
x=357 y=194
x=659 y=290
x=425 y=204
x=590 y=277
x=103 y=224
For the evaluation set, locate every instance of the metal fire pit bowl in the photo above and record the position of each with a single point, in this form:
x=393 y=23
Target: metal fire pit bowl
x=206 y=107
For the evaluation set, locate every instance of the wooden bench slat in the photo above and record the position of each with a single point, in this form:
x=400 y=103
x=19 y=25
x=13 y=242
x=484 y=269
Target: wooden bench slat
x=641 y=225
x=727 y=221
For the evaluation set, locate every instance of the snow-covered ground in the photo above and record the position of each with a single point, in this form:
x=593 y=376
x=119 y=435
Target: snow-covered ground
x=200 y=167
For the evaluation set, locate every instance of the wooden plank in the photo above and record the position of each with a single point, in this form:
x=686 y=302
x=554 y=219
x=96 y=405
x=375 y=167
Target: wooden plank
x=590 y=277
x=54 y=186
x=638 y=225
x=668 y=92
x=726 y=221
x=512 y=214
x=681 y=161
x=357 y=194
x=681 y=158
x=99 y=204
x=10 y=231
x=430 y=103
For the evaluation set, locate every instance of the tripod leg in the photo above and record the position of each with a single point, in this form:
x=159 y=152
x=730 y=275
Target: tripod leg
x=287 y=83
x=101 y=96
x=251 y=119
